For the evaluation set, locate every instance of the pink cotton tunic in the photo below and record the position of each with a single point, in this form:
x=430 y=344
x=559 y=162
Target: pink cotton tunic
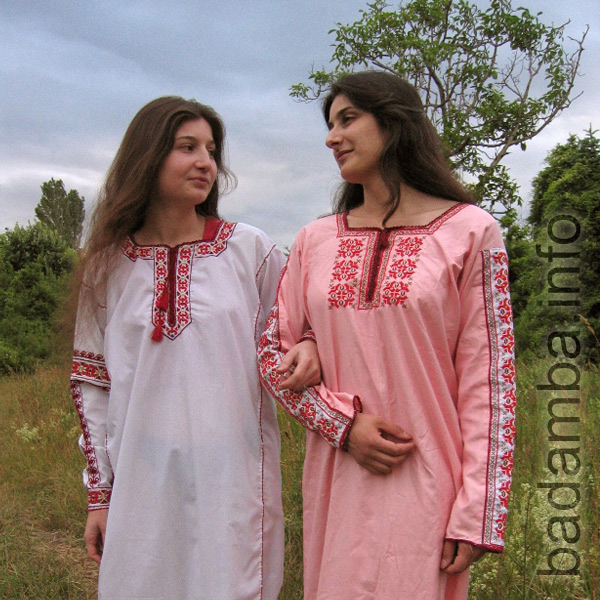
x=416 y=322
x=178 y=434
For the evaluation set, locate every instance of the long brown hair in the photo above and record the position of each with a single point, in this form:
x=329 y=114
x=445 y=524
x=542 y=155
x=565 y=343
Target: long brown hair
x=412 y=152
x=130 y=181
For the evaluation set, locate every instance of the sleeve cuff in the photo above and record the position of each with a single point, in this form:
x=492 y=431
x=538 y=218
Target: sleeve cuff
x=488 y=547
x=308 y=335
x=357 y=409
x=99 y=498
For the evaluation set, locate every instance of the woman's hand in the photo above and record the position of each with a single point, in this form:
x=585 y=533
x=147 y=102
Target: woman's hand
x=95 y=529
x=457 y=556
x=301 y=367
x=378 y=445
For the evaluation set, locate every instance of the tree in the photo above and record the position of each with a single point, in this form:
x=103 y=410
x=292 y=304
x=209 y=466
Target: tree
x=490 y=79
x=35 y=263
x=517 y=239
x=61 y=211
x=566 y=191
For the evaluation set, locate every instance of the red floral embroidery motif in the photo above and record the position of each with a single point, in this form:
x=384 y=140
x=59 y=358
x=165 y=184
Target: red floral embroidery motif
x=394 y=292
x=506 y=464
x=341 y=295
x=510 y=400
x=402 y=268
x=99 y=498
x=90 y=368
x=505 y=493
x=345 y=271
x=501 y=523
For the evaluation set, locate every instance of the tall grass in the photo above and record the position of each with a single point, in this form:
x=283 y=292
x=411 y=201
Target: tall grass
x=42 y=503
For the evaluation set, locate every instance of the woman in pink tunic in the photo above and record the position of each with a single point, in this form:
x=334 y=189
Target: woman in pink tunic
x=181 y=442
x=410 y=442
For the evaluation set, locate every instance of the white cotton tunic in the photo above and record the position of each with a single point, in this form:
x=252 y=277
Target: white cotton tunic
x=179 y=436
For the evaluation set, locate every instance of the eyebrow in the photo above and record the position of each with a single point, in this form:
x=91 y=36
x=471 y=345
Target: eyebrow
x=194 y=139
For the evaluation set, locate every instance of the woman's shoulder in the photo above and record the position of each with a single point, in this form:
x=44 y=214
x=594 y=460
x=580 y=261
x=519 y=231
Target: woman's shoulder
x=474 y=227
x=322 y=225
x=248 y=240
x=250 y=232
x=469 y=217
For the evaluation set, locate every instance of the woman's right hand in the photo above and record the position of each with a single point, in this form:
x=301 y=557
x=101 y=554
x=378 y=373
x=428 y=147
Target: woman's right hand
x=95 y=529
x=378 y=445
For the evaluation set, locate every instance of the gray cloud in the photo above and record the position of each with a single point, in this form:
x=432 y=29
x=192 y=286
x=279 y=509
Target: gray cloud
x=74 y=73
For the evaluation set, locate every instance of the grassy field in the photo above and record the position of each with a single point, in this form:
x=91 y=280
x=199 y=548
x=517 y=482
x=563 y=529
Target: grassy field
x=42 y=502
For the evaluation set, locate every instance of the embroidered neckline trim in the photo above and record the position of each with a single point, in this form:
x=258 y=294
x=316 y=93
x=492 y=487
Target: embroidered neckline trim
x=433 y=225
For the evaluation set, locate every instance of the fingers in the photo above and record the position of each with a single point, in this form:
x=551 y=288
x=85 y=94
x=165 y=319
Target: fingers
x=448 y=552
x=300 y=367
x=303 y=375
x=458 y=556
x=93 y=551
x=287 y=363
x=393 y=440
x=371 y=450
x=381 y=464
x=393 y=432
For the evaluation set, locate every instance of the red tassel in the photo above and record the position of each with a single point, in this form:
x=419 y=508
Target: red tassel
x=162 y=302
x=157 y=334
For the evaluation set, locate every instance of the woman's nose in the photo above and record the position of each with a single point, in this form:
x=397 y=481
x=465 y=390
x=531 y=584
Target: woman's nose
x=203 y=159
x=332 y=138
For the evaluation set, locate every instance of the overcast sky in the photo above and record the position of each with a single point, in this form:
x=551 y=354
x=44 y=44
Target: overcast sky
x=73 y=73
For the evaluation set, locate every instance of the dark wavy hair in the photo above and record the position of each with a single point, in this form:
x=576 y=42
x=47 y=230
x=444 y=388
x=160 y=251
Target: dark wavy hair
x=412 y=152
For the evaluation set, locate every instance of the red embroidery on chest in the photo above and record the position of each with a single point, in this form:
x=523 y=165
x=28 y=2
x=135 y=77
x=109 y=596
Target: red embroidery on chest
x=401 y=270
x=171 y=308
x=373 y=267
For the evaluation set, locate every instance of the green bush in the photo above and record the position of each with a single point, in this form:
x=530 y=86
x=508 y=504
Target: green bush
x=35 y=265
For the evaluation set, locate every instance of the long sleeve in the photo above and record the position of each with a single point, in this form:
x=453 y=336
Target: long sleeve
x=331 y=414
x=90 y=387
x=485 y=369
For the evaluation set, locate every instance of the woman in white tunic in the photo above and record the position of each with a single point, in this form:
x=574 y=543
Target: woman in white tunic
x=181 y=442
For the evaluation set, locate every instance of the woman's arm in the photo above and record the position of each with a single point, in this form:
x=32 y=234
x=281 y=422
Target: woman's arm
x=334 y=415
x=485 y=370
x=90 y=388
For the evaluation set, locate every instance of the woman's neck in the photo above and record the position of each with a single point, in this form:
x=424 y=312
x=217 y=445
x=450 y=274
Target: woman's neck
x=170 y=226
x=415 y=208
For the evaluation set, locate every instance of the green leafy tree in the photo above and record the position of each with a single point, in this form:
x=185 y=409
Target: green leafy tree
x=61 y=211
x=567 y=188
x=517 y=239
x=490 y=79
x=35 y=263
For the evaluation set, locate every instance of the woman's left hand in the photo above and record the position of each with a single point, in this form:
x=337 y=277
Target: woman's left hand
x=457 y=556
x=301 y=367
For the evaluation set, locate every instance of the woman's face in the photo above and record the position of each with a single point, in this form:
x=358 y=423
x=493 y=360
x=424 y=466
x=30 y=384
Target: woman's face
x=356 y=140
x=189 y=170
